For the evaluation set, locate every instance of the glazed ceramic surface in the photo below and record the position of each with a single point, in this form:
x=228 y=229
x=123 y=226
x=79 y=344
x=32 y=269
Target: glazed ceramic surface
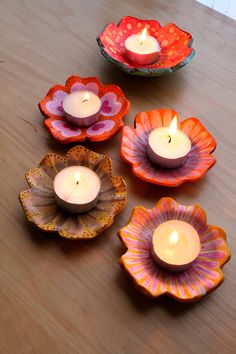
x=201 y=278
x=41 y=208
x=175 y=46
x=134 y=149
x=114 y=107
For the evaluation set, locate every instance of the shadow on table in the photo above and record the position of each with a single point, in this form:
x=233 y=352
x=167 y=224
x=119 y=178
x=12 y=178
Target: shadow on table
x=69 y=248
x=102 y=147
x=140 y=83
x=143 y=192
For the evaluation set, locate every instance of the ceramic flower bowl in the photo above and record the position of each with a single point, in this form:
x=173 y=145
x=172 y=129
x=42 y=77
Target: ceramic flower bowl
x=134 y=149
x=114 y=107
x=201 y=278
x=175 y=46
x=41 y=208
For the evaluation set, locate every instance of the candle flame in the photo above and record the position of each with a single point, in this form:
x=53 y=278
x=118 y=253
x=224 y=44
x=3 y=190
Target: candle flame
x=86 y=96
x=143 y=36
x=173 y=126
x=77 y=177
x=174 y=236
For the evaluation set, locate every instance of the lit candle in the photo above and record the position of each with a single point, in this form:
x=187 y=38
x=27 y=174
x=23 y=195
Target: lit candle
x=82 y=108
x=76 y=188
x=168 y=146
x=141 y=48
x=175 y=245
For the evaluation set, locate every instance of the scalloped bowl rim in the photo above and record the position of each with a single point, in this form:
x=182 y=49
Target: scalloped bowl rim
x=144 y=70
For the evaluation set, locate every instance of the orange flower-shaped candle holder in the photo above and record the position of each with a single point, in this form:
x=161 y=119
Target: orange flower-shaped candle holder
x=201 y=278
x=134 y=143
x=114 y=106
x=175 y=46
x=39 y=202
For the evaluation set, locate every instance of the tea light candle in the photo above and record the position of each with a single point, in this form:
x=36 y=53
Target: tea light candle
x=168 y=146
x=141 y=48
x=76 y=188
x=82 y=108
x=175 y=245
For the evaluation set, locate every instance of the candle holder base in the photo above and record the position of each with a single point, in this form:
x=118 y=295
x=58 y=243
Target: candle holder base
x=201 y=278
x=42 y=209
x=104 y=125
x=175 y=45
x=134 y=144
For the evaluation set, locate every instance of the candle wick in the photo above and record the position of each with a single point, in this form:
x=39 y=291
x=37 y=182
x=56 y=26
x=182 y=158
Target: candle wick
x=77 y=182
x=169 y=138
x=85 y=100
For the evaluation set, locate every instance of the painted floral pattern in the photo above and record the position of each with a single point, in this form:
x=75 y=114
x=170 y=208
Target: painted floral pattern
x=110 y=105
x=54 y=106
x=41 y=208
x=101 y=127
x=114 y=107
x=66 y=129
x=175 y=46
x=202 y=277
x=134 y=149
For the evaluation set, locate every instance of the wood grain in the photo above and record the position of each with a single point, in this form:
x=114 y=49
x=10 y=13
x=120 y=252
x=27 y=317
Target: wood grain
x=72 y=297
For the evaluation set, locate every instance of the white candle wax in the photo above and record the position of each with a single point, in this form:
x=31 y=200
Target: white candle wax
x=175 y=245
x=82 y=108
x=168 y=146
x=141 y=48
x=76 y=188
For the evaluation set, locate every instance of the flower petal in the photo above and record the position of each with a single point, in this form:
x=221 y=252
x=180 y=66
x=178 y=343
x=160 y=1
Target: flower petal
x=40 y=208
x=39 y=179
x=110 y=104
x=133 y=149
x=202 y=140
x=170 y=34
x=67 y=130
x=138 y=233
x=54 y=106
x=79 y=86
x=64 y=131
x=101 y=127
x=51 y=164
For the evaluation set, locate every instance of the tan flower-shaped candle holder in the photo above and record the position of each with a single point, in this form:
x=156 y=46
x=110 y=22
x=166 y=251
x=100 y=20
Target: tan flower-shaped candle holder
x=40 y=205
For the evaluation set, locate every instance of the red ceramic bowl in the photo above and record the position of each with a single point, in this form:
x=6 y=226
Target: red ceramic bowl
x=175 y=46
x=114 y=107
x=134 y=149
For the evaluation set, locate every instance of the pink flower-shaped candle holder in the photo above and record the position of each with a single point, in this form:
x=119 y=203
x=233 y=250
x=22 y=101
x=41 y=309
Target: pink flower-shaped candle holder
x=39 y=202
x=134 y=142
x=175 y=46
x=189 y=285
x=114 y=106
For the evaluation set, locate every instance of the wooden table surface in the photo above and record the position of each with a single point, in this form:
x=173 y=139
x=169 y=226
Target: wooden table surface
x=58 y=296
